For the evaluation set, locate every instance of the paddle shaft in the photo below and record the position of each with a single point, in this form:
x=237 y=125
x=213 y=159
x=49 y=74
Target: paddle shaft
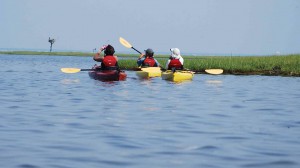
x=136 y=50
x=87 y=69
x=74 y=70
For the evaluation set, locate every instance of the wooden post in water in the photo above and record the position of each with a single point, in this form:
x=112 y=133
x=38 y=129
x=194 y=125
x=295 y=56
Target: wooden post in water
x=51 y=41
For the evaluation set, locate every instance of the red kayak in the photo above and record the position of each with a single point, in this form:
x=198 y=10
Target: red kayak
x=107 y=75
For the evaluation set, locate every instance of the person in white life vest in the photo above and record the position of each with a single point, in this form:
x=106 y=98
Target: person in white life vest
x=175 y=60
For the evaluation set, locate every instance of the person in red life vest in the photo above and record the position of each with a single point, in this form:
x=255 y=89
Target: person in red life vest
x=175 y=60
x=149 y=60
x=109 y=61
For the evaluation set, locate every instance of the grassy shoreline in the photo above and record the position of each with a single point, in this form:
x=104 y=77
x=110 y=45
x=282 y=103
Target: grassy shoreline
x=281 y=65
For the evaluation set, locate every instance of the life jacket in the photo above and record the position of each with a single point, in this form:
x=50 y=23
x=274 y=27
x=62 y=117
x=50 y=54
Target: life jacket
x=149 y=61
x=175 y=63
x=109 y=62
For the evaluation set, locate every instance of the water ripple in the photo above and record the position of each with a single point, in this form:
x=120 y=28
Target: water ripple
x=27 y=166
x=281 y=163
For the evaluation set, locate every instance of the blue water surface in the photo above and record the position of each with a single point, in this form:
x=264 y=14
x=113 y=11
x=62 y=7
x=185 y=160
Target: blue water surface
x=57 y=120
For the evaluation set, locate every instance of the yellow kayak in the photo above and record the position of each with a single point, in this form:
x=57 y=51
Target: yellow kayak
x=177 y=76
x=149 y=72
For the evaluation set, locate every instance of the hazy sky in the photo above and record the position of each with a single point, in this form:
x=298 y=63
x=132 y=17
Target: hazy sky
x=259 y=27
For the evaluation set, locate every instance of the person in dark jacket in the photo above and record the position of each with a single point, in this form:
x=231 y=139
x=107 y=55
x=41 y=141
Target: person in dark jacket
x=147 y=59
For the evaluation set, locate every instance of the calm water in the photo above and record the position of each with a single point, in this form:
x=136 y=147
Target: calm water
x=52 y=119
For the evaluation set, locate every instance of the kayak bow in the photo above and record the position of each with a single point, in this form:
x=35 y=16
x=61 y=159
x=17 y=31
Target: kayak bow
x=107 y=75
x=177 y=76
x=149 y=72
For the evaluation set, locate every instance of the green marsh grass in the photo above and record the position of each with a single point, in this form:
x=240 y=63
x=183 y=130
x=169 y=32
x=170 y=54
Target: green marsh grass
x=284 y=65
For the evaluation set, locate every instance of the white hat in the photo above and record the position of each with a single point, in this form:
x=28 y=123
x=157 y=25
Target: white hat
x=175 y=52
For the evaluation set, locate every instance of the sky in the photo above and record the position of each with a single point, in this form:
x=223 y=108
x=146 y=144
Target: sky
x=205 y=27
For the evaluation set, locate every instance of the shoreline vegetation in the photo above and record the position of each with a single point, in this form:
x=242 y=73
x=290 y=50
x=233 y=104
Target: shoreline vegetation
x=276 y=65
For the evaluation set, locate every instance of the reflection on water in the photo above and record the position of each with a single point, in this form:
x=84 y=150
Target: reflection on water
x=214 y=83
x=106 y=84
x=69 y=81
x=52 y=119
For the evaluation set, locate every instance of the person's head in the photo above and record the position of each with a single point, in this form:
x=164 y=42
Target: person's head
x=109 y=50
x=175 y=52
x=149 y=52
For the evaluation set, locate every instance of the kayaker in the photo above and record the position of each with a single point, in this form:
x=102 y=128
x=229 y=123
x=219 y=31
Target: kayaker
x=148 y=60
x=109 y=61
x=175 y=60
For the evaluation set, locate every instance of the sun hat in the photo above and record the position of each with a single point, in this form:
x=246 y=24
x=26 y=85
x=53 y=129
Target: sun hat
x=175 y=52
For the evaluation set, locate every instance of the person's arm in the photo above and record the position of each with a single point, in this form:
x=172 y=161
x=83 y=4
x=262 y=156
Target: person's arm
x=181 y=60
x=157 y=63
x=140 y=60
x=116 y=57
x=98 y=57
x=141 y=56
x=167 y=64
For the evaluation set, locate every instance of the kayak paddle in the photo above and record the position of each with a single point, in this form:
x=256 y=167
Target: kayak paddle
x=74 y=70
x=127 y=44
x=214 y=71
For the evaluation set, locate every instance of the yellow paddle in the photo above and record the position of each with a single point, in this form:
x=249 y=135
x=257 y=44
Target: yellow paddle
x=127 y=44
x=151 y=69
x=214 y=71
x=74 y=70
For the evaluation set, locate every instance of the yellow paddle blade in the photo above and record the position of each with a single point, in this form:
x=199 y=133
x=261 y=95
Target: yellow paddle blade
x=151 y=69
x=214 y=71
x=125 y=43
x=70 y=70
